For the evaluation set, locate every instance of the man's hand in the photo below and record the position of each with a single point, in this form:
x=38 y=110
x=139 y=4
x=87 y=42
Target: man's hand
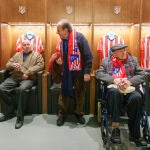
x=122 y=83
x=25 y=77
x=59 y=61
x=86 y=77
x=16 y=66
x=117 y=81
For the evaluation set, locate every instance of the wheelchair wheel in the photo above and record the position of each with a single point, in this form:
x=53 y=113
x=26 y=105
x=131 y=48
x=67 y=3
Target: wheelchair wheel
x=105 y=132
x=146 y=135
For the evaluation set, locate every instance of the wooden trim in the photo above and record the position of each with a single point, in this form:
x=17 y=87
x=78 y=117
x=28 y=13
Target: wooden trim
x=92 y=94
x=44 y=93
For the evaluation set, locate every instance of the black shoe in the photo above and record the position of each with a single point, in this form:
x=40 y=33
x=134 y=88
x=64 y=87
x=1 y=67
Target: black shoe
x=6 y=117
x=115 y=136
x=80 y=118
x=60 y=120
x=139 y=142
x=19 y=123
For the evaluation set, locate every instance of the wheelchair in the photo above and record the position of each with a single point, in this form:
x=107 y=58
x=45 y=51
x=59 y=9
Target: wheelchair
x=104 y=118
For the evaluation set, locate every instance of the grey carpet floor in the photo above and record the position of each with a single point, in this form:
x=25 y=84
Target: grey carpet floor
x=40 y=132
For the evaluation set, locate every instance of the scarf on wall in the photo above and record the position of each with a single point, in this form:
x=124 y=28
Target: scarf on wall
x=74 y=55
x=118 y=70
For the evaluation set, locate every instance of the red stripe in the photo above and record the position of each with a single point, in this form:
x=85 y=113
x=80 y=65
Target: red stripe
x=105 y=44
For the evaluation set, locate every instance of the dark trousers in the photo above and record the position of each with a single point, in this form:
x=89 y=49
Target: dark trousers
x=79 y=94
x=13 y=95
x=116 y=101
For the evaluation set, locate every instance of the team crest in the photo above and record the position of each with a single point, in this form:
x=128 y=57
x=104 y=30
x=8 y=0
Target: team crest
x=69 y=9
x=117 y=9
x=22 y=9
x=111 y=36
x=116 y=70
x=74 y=57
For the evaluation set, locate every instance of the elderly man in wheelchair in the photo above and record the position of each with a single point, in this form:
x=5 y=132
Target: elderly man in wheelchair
x=123 y=76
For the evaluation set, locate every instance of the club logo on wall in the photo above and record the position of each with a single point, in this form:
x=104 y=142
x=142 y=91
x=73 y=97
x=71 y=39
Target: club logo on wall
x=117 y=9
x=22 y=9
x=69 y=10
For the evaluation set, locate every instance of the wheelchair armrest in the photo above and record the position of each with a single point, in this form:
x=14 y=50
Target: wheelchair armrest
x=101 y=89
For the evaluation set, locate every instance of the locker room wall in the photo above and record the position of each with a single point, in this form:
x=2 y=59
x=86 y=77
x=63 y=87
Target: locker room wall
x=6 y=44
x=93 y=18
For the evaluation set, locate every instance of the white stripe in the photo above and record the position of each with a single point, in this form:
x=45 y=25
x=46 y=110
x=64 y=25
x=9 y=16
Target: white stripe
x=73 y=41
x=104 y=47
x=145 y=51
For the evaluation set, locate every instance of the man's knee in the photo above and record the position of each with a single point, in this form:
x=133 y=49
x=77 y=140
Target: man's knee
x=113 y=91
x=114 y=94
x=1 y=88
x=137 y=98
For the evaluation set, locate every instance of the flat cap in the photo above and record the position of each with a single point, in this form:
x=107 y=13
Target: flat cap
x=118 y=47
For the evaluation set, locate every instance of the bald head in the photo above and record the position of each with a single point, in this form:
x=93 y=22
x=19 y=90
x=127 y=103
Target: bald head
x=65 y=24
x=26 y=46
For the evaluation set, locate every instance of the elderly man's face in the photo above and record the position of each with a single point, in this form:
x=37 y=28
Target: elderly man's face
x=63 y=33
x=121 y=54
x=26 y=46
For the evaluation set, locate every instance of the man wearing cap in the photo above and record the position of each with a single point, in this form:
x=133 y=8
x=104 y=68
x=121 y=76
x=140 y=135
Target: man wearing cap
x=122 y=70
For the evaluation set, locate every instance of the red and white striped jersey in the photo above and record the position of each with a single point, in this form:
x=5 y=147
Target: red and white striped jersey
x=145 y=53
x=35 y=41
x=106 y=42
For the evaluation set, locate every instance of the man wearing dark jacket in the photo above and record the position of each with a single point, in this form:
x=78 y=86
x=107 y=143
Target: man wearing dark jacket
x=123 y=75
x=76 y=59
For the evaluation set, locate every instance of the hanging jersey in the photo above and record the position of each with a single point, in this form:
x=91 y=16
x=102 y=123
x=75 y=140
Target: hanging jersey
x=36 y=42
x=145 y=53
x=106 y=42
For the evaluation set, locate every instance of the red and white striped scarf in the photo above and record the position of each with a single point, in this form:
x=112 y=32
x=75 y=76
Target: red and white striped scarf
x=74 y=55
x=118 y=70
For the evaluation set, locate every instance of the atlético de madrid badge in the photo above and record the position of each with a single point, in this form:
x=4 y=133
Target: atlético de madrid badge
x=117 y=9
x=22 y=9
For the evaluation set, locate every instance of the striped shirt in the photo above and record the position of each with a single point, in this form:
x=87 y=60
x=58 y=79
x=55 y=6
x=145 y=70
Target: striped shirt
x=105 y=43
x=145 y=53
x=35 y=40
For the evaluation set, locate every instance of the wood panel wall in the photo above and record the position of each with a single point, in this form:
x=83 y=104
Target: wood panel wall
x=6 y=44
x=57 y=9
x=145 y=11
x=85 y=11
x=34 y=11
